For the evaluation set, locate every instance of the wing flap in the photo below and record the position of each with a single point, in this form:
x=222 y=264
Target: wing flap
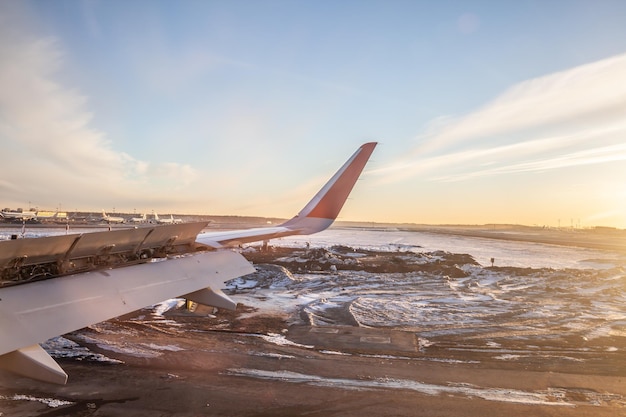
x=33 y=362
x=212 y=297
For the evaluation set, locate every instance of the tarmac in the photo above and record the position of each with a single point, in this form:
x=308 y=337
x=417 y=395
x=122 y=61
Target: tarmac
x=272 y=369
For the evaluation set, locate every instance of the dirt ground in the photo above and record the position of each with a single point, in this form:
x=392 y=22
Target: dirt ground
x=380 y=372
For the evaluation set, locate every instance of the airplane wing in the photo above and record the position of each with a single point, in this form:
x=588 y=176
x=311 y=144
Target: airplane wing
x=54 y=285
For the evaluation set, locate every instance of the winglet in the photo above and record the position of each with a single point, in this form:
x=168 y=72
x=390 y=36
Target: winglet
x=323 y=209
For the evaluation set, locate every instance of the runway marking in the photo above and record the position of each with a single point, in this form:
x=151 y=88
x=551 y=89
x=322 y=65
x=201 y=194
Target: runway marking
x=375 y=339
x=323 y=330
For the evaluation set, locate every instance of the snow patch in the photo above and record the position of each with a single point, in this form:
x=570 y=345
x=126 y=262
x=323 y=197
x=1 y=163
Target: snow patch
x=60 y=347
x=550 y=397
x=50 y=402
x=171 y=348
x=279 y=339
x=164 y=306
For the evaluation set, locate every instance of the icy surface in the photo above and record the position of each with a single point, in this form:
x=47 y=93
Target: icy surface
x=587 y=303
x=561 y=301
x=505 y=253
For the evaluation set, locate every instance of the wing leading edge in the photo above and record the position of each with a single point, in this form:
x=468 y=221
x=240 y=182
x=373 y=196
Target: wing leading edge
x=33 y=312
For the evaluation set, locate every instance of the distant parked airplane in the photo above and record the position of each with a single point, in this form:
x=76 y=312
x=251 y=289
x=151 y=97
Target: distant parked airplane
x=19 y=215
x=142 y=219
x=58 y=284
x=112 y=219
x=51 y=215
x=170 y=220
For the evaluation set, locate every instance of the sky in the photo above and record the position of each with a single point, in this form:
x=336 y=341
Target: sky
x=485 y=112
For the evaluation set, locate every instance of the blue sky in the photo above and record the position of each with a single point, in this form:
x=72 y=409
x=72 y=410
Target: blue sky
x=505 y=112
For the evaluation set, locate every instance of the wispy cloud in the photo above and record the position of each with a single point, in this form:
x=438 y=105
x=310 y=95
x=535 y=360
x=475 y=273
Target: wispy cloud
x=570 y=118
x=50 y=151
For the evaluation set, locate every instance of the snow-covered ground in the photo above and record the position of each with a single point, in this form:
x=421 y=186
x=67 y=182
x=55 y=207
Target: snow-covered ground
x=569 y=292
x=505 y=253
